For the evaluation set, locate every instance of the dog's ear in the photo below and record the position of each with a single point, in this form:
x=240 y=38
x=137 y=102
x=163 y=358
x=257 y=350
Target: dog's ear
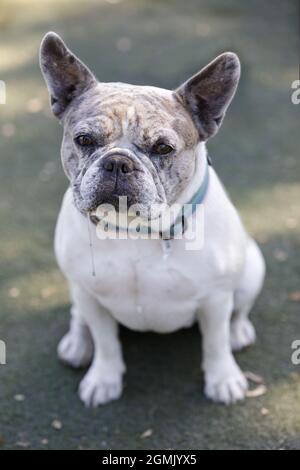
x=66 y=76
x=208 y=94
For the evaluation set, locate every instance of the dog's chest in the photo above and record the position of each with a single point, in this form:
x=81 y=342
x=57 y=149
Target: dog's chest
x=144 y=289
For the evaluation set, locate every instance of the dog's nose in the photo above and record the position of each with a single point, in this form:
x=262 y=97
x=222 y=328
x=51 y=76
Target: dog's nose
x=117 y=164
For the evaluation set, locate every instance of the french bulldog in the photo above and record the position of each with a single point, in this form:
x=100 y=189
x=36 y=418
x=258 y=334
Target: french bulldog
x=149 y=145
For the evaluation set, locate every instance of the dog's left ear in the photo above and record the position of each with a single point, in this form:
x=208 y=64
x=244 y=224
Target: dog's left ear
x=66 y=76
x=208 y=94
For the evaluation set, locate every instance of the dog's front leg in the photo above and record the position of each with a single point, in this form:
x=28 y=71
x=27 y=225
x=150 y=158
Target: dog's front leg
x=103 y=381
x=224 y=381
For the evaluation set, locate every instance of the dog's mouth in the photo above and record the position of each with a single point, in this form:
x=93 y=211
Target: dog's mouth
x=156 y=219
x=104 y=211
x=93 y=218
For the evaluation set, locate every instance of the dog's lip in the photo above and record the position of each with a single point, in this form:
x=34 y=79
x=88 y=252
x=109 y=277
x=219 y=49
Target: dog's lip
x=93 y=218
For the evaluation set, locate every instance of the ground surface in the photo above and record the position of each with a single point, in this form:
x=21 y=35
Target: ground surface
x=257 y=155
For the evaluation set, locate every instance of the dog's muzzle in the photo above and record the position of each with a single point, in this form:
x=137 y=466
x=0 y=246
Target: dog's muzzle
x=112 y=175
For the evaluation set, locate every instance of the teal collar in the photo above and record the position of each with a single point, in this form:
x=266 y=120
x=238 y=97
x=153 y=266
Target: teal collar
x=191 y=206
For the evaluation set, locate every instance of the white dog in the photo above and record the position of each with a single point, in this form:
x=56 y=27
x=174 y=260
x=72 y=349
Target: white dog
x=148 y=144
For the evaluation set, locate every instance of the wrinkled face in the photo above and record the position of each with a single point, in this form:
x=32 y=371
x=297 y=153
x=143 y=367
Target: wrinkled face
x=133 y=141
x=122 y=140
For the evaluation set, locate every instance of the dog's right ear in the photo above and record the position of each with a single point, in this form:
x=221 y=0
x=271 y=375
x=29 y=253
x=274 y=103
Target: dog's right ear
x=208 y=94
x=66 y=76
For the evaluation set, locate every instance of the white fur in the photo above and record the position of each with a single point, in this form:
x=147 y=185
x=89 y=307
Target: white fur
x=138 y=287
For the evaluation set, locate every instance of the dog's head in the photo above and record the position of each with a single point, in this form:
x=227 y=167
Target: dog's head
x=134 y=141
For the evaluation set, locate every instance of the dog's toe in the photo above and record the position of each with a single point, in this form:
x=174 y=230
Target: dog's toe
x=227 y=389
x=242 y=334
x=75 y=350
x=96 y=389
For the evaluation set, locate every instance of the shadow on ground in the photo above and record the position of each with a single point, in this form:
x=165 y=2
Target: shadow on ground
x=256 y=154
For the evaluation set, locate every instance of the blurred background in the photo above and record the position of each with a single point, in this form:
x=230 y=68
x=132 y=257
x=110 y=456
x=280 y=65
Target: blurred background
x=256 y=154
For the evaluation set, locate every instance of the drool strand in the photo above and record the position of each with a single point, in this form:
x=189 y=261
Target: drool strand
x=91 y=247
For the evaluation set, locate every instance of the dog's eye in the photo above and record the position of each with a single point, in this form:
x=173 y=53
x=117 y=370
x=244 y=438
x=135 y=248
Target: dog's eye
x=160 y=148
x=84 y=140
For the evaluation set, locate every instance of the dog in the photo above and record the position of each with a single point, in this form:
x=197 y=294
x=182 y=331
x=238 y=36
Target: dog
x=149 y=145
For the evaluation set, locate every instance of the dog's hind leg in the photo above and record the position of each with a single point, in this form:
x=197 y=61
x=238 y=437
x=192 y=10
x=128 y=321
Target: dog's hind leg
x=76 y=346
x=242 y=332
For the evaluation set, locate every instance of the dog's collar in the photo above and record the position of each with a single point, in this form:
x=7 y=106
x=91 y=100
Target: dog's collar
x=187 y=210
x=191 y=206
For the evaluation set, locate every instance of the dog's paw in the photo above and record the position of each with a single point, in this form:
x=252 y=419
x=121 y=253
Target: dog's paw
x=76 y=348
x=99 y=387
x=242 y=334
x=227 y=386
